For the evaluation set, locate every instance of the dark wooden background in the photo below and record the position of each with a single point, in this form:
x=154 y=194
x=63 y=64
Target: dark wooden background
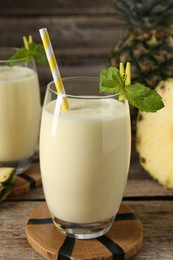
x=82 y=32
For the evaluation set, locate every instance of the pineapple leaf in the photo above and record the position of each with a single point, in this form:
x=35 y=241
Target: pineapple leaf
x=138 y=95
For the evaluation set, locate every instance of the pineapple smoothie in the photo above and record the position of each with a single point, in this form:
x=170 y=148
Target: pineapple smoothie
x=19 y=113
x=85 y=155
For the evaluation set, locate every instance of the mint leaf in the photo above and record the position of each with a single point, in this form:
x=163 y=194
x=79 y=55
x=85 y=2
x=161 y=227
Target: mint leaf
x=37 y=52
x=138 y=95
x=34 y=50
x=18 y=57
x=143 y=98
x=110 y=80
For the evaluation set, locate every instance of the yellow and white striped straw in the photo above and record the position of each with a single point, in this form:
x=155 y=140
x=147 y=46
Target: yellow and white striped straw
x=53 y=65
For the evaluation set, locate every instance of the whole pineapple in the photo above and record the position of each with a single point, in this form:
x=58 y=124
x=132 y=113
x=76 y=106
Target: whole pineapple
x=149 y=42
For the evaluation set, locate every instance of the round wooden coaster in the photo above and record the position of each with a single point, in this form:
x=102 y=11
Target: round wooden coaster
x=123 y=241
x=27 y=180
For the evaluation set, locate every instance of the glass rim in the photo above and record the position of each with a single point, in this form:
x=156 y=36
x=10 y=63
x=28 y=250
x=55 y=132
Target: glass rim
x=89 y=78
x=8 y=49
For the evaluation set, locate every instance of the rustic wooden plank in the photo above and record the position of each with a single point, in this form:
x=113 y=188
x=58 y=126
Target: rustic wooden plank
x=156 y=217
x=146 y=189
x=63 y=7
x=68 y=32
x=82 y=54
x=13 y=218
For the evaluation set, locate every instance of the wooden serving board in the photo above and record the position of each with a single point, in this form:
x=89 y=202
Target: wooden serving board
x=27 y=180
x=123 y=241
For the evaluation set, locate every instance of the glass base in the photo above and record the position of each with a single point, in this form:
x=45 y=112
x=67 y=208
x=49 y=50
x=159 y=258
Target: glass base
x=83 y=231
x=21 y=166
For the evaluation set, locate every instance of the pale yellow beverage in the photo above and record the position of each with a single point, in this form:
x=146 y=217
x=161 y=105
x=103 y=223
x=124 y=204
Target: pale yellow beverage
x=85 y=155
x=19 y=112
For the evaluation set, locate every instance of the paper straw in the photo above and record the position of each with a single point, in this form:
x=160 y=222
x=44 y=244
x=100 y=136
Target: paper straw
x=53 y=65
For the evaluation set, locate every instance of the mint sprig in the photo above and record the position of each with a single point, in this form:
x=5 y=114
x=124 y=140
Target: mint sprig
x=138 y=95
x=32 y=50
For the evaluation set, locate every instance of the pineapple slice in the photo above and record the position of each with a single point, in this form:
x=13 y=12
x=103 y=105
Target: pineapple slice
x=7 y=177
x=154 y=138
x=5 y=174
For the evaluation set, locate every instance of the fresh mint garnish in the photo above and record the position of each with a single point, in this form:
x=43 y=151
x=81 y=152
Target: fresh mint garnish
x=138 y=95
x=29 y=51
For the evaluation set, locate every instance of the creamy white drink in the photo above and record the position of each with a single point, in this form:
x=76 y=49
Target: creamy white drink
x=85 y=155
x=19 y=112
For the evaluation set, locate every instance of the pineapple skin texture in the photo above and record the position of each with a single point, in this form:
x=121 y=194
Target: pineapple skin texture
x=154 y=138
x=150 y=54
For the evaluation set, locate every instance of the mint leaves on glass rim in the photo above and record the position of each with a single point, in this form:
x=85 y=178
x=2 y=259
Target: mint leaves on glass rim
x=138 y=95
x=29 y=51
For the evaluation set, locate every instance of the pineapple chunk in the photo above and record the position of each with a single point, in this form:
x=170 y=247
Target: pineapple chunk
x=7 y=177
x=5 y=174
x=154 y=138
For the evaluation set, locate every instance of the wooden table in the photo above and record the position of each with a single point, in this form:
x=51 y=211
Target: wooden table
x=151 y=202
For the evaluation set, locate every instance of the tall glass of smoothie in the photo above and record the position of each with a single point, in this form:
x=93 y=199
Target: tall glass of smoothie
x=19 y=111
x=84 y=155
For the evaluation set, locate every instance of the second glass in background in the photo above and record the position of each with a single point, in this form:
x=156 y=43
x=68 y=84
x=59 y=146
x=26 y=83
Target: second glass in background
x=19 y=111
